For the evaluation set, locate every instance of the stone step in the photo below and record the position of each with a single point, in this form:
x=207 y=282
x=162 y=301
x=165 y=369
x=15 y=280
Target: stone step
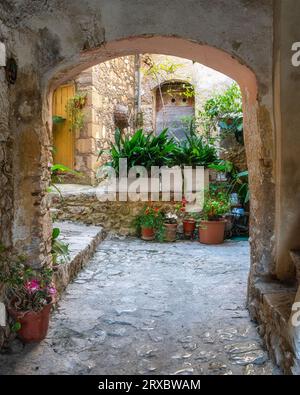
x=83 y=241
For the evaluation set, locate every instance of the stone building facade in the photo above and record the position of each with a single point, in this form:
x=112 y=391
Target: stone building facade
x=205 y=81
x=110 y=89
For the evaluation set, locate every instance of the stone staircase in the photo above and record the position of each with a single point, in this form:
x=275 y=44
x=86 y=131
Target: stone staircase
x=83 y=241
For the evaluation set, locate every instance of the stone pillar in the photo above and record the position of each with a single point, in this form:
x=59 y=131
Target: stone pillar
x=287 y=117
x=6 y=195
x=31 y=148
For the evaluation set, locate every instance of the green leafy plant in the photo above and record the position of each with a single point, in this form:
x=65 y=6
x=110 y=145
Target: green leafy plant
x=74 y=109
x=240 y=184
x=195 y=150
x=60 y=250
x=224 y=111
x=57 y=119
x=238 y=181
x=142 y=149
x=25 y=288
x=56 y=170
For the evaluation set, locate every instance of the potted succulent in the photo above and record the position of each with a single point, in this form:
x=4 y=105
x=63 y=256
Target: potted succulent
x=148 y=222
x=212 y=226
x=28 y=294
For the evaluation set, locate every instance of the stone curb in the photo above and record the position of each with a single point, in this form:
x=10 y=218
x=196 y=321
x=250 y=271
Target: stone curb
x=66 y=273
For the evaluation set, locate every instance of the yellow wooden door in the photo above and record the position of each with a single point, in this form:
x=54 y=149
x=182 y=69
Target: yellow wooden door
x=63 y=136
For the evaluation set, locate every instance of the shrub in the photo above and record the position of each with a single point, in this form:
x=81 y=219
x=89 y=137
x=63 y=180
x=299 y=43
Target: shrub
x=142 y=149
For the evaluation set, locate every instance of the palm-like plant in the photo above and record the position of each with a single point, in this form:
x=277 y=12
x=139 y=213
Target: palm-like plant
x=142 y=149
x=195 y=150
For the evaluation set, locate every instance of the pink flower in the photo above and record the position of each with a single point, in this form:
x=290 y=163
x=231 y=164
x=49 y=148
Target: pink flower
x=52 y=290
x=32 y=286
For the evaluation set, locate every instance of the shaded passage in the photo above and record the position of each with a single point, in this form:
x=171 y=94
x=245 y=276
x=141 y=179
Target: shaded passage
x=148 y=308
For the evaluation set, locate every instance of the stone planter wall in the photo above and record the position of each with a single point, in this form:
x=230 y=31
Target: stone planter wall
x=116 y=217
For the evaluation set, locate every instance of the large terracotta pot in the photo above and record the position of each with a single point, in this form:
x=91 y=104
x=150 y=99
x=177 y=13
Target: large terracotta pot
x=189 y=226
x=34 y=325
x=212 y=232
x=148 y=234
x=170 y=232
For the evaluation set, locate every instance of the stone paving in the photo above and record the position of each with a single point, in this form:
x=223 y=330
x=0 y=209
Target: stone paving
x=149 y=308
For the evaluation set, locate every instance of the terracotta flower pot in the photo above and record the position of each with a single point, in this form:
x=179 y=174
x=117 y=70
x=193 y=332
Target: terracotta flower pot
x=148 y=234
x=212 y=232
x=189 y=226
x=170 y=232
x=34 y=325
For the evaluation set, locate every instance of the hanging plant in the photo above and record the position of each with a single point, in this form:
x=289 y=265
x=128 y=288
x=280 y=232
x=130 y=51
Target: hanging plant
x=74 y=109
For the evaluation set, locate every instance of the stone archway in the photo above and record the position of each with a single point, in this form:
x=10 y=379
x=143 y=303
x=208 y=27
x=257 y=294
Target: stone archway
x=257 y=121
x=258 y=141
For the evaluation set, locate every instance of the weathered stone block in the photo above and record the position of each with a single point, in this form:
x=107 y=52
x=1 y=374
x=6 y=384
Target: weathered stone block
x=85 y=146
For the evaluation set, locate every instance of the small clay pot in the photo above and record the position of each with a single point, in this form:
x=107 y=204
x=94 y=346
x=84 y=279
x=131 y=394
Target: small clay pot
x=170 y=232
x=148 y=234
x=212 y=232
x=34 y=325
x=189 y=226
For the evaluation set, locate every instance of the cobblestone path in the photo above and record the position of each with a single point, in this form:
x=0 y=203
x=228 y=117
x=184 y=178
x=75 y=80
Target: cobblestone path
x=148 y=308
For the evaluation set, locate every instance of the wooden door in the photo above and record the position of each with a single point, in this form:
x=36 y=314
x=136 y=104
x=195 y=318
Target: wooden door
x=172 y=107
x=63 y=136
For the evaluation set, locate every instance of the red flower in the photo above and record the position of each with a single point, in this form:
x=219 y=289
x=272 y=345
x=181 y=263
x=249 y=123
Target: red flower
x=184 y=201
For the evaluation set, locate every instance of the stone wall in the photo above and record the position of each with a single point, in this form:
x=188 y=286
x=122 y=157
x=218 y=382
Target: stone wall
x=115 y=217
x=6 y=158
x=110 y=87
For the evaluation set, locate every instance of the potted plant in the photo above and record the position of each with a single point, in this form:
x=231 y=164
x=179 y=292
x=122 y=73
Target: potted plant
x=170 y=227
x=212 y=226
x=189 y=226
x=148 y=222
x=188 y=222
x=28 y=294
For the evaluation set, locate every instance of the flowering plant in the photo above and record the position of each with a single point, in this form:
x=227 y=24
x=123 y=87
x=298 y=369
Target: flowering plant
x=216 y=204
x=149 y=217
x=177 y=212
x=25 y=288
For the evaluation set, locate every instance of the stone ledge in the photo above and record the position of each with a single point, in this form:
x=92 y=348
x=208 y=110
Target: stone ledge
x=83 y=241
x=270 y=305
